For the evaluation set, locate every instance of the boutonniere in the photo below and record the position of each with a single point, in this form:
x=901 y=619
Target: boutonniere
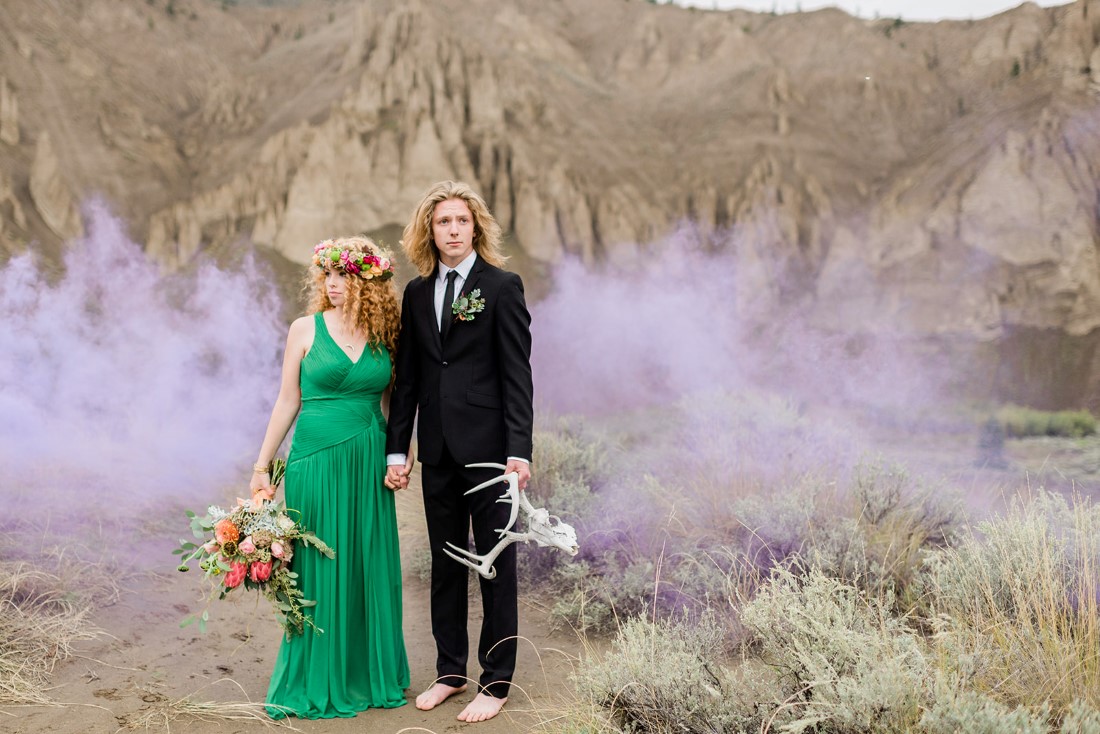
x=465 y=306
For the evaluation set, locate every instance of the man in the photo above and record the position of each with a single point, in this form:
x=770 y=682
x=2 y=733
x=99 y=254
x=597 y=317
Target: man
x=467 y=370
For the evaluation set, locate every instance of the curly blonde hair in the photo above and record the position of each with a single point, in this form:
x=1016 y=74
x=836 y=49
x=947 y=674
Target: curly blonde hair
x=371 y=305
x=417 y=238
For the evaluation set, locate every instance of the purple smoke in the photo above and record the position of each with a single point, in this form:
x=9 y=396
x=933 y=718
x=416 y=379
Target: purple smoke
x=119 y=384
x=719 y=389
x=674 y=324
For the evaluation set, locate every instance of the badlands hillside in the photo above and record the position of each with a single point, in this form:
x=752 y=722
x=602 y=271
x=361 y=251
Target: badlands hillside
x=941 y=181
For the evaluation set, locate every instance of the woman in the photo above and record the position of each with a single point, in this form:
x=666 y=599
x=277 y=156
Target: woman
x=335 y=371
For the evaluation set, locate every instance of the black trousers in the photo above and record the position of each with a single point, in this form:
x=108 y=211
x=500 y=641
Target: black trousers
x=449 y=513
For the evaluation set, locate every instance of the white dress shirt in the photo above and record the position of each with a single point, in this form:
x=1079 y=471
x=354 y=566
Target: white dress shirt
x=463 y=270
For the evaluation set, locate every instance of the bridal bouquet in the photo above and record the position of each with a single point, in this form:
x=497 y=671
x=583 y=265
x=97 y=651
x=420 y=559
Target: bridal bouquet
x=251 y=545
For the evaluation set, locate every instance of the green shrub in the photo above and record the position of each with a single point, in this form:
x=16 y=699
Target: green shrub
x=966 y=711
x=844 y=662
x=1021 y=422
x=665 y=677
x=874 y=535
x=674 y=548
x=571 y=462
x=1080 y=719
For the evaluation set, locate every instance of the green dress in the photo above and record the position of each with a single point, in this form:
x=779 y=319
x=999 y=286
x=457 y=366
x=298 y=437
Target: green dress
x=334 y=478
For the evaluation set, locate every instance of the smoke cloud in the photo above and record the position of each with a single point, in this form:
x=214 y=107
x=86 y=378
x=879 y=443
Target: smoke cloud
x=667 y=326
x=120 y=386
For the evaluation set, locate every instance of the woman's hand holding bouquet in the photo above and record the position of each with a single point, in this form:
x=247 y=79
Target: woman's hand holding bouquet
x=251 y=545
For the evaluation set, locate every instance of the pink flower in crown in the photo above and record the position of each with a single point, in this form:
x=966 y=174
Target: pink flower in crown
x=352 y=268
x=384 y=263
x=345 y=256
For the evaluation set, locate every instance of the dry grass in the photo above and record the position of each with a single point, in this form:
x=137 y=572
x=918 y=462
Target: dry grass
x=1020 y=604
x=165 y=712
x=48 y=592
x=39 y=622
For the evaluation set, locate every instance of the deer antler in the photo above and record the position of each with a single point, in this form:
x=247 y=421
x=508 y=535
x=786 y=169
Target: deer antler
x=542 y=527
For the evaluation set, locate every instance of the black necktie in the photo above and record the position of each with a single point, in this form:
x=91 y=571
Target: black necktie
x=445 y=318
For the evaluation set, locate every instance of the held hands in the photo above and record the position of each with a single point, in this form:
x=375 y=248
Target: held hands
x=397 y=476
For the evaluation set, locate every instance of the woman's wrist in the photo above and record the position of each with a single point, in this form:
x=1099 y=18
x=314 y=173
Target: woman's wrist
x=258 y=468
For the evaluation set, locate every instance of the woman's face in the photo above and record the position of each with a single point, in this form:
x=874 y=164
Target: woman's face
x=336 y=286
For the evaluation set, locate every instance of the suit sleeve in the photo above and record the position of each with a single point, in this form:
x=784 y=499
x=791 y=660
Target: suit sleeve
x=513 y=335
x=403 y=399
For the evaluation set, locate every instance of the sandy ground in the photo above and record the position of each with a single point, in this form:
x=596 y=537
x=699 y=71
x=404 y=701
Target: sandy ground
x=145 y=661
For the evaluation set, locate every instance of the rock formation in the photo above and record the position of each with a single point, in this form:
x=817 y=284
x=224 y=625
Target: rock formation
x=50 y=192
x=934 y=179
x=9 y=114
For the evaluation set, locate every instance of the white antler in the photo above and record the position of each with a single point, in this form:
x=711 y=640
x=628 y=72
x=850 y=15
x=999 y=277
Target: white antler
x=545 y=529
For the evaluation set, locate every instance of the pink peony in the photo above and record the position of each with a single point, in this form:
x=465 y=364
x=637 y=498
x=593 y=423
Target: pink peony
x=277 y=549
x=260 y=571
x=236 y=574
x=247 y=546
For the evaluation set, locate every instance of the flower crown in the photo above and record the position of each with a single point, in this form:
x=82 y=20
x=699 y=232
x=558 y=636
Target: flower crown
x=328 y=256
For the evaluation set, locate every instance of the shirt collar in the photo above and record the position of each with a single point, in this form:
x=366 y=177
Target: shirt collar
x=463 y=267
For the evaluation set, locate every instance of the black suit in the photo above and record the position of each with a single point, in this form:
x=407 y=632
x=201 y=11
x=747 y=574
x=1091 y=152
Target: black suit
x=474 y=397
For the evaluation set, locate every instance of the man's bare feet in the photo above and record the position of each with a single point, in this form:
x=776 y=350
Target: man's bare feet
x=482 y=708
x=436 y=695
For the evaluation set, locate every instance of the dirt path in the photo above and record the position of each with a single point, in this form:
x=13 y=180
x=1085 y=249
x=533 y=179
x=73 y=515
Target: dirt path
x=145 y=662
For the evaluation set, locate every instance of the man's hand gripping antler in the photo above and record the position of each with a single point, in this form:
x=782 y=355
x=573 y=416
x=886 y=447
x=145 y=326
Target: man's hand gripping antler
x=545 y=529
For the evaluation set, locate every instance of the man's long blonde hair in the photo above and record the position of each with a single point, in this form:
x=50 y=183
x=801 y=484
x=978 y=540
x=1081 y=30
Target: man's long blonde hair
x=370 y=306
x=417 y=239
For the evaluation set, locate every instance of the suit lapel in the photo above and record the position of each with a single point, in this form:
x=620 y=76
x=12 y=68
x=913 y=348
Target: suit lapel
x=475 y=274
x=427 y=297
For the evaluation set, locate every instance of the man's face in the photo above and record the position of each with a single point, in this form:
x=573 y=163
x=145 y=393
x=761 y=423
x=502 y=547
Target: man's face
x=453 y=230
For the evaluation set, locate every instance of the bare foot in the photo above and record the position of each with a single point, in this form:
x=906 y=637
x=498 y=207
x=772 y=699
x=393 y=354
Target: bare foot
x=436 y=695
x=482 y=708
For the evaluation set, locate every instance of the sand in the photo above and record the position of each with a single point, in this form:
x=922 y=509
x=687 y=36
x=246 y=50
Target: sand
x=144 y=661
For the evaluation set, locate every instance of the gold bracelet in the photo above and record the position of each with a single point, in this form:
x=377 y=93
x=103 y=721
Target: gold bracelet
x=260 y=469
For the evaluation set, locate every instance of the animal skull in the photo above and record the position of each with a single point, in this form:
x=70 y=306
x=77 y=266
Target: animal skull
x=545 y=529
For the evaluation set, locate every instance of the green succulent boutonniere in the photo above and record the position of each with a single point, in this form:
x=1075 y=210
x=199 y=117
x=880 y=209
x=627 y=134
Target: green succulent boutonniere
x=465 y=306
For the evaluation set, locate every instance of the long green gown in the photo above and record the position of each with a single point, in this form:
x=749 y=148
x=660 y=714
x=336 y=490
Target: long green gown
x=334 y=479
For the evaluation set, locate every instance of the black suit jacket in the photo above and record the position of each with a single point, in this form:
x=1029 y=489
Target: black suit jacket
x=475 y=390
